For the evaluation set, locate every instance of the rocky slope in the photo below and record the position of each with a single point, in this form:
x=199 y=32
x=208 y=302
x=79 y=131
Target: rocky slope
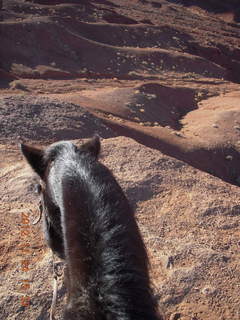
x=146 y=68
x=164 y=73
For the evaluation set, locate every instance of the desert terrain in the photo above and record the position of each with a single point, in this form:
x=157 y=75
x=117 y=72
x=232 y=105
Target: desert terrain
x=159 y=81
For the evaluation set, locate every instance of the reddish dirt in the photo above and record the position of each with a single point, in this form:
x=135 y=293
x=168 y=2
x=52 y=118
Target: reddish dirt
x=165 y=73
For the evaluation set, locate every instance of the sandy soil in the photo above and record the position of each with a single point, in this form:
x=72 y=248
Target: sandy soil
x=164 y=73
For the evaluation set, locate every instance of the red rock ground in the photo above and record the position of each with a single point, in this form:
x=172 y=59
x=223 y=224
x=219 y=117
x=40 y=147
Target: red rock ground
x=165 y=73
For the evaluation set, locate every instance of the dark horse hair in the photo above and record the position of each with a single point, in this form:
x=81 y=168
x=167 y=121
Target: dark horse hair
x=90 y=224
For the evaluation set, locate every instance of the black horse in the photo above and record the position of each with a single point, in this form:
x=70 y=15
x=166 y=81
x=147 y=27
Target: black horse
x=90 y=224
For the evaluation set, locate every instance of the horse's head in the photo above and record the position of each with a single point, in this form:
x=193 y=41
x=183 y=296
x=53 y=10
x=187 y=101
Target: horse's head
x=47 y=164
x=41 y=159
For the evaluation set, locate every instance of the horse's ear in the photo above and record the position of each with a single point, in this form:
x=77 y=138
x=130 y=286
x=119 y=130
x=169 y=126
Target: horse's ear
x=34 y=157
x=93 y=146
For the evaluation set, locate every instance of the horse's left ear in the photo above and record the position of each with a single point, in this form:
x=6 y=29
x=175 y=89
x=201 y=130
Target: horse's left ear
x=93 y=146
x=34 y=157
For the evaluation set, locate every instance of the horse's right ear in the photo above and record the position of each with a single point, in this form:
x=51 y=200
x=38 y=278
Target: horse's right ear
x=92 y=146
x=34 y=157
